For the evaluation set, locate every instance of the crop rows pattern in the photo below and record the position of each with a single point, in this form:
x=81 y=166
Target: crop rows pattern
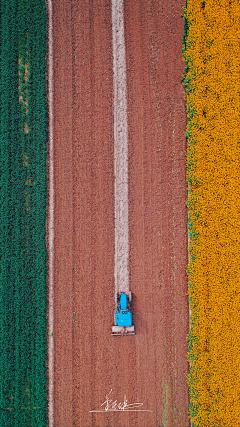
x=211 y=50
x=23 y=259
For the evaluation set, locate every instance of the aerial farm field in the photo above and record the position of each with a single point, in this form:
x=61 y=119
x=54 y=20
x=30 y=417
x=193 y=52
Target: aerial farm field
x=150 y=367
x=120 y=172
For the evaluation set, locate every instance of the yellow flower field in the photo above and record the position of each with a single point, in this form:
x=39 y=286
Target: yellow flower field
x=212 y=84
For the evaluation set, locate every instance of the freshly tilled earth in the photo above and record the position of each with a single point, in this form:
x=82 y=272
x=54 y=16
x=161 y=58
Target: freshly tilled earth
x=150 y=367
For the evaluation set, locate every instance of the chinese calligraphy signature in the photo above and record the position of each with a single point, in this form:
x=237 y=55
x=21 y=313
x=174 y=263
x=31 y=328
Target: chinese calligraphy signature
x=113 y=405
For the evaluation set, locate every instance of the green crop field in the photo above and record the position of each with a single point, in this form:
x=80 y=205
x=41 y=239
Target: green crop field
x=23 y=255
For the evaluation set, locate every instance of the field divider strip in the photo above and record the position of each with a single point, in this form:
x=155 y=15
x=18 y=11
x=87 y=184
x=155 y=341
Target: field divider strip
x=121 y=271
x=51 y=223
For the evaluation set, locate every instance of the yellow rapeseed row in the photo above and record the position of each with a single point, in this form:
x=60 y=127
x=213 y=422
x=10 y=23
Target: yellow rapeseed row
x=212 y=84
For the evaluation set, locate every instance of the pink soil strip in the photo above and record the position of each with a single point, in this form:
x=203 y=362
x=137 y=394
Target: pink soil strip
x=120 y=150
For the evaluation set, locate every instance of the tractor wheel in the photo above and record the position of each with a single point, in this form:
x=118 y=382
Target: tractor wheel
x=129 y=296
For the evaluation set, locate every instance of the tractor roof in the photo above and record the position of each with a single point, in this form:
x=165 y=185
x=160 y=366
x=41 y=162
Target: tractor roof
x=123 y=301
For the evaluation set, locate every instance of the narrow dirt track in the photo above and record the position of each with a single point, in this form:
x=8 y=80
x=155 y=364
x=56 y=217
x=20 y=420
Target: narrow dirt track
x=151 y=366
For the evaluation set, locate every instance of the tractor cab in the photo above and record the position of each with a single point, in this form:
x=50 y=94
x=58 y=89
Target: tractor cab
x=123 y=316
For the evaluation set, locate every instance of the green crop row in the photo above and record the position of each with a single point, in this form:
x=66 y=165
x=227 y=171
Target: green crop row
x=23 y=138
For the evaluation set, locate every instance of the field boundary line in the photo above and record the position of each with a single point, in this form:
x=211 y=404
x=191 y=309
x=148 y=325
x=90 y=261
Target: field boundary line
x=51 y=221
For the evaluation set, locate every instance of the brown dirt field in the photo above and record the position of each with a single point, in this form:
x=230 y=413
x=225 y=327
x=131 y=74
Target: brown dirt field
x=151 y=366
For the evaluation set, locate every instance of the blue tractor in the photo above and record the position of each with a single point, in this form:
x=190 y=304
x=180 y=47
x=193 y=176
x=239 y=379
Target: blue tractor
x=123 y=315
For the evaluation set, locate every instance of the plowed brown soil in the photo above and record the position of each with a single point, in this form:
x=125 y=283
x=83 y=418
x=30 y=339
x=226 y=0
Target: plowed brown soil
x=150 y=367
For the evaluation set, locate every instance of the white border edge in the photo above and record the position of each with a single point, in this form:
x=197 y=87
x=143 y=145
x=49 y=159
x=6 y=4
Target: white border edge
x=51 y=222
